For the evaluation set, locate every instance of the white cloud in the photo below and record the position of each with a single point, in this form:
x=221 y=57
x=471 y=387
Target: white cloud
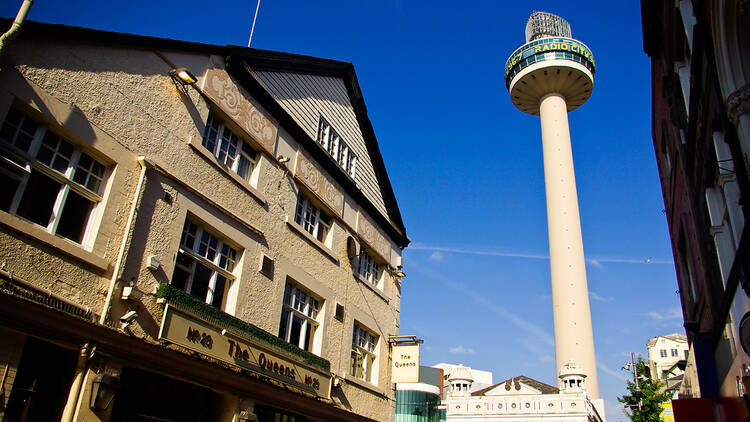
x=598 y=298
x=609 y=371
x=546 y=358
x=670 y=314
x=594 y=262
x=436 y=256
x=460 y=350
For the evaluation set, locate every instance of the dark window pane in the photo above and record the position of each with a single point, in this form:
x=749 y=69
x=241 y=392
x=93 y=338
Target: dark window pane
x=218 y=299
x=75 y=215
x=200 y=282
x=38 y=198
x=283 y=323
x=296 y=330
x=308 y=337
x=8 y=186
x=180 y=277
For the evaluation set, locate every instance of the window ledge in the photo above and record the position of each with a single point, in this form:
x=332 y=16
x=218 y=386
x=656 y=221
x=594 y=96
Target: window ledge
x=63 y=245
x=364 y=384
x=317 y=243
x=232 y=175
x=371 y=287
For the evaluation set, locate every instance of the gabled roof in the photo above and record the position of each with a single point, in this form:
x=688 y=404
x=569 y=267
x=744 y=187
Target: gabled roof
x=680 y=338
x=240 y=62
x=515 y=384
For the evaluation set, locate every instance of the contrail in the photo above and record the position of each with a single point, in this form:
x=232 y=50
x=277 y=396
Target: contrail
x=594 y=261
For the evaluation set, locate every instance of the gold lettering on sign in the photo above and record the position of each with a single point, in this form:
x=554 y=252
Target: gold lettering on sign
x=221 y=88
x=316 y=181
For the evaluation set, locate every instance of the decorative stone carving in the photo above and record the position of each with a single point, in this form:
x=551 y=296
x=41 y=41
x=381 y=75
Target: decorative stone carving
x=234 y=101
x=738 y=103
x=319 y=184
x=370 y=234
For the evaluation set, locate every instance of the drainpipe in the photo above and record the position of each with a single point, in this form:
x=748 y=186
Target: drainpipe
x=125 y=240
x=16 y=26
x=75 y=388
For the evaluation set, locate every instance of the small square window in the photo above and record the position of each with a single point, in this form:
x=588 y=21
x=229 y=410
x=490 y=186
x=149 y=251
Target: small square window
x=312 y=219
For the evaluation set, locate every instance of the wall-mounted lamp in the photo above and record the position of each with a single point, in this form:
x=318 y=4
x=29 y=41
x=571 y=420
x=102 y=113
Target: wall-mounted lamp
x=399 y=272
x=103 y=390
x=183 y=76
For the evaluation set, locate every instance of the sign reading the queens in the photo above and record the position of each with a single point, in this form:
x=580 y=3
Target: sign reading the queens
x=180 y=328
x=405 y=366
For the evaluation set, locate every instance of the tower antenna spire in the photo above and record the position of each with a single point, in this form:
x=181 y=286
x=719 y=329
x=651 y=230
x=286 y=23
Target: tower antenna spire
x=252 y=28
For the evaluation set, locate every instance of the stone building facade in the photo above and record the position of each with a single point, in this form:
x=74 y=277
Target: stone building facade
x=700 y=80
x=223 y=249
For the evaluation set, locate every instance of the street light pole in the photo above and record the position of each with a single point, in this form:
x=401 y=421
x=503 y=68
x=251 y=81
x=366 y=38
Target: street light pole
x=638 y=394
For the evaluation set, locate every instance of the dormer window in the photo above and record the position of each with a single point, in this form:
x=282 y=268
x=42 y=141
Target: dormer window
x=332 y=142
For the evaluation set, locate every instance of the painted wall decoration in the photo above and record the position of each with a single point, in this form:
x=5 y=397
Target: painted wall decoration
x=315 y=180
x=370 y=234
x=234 y=101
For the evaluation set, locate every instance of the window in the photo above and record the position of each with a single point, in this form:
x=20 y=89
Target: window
x=236 y=154
x=47 y=179
x=337 y=147
x=369 y=268
x=299 y=316
x=363 y=353
x=204 y=265
x=312 y=219
x=663 y=353
x=675 y=353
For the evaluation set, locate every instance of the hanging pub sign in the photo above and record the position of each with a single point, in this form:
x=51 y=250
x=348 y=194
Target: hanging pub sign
x=405 y=366
x=180 y=328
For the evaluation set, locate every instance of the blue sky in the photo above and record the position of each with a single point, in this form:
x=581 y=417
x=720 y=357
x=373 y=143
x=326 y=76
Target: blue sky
x=466 y=166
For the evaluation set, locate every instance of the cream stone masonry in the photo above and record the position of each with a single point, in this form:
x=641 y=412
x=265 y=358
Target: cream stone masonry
x=117 y=102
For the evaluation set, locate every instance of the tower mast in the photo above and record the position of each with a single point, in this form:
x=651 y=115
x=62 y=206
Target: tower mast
x=549 y=76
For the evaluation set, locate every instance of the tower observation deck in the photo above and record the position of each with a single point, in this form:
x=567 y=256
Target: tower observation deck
x=549 y=76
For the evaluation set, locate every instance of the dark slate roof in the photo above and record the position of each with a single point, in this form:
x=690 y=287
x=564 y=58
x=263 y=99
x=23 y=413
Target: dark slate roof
x=238 y=61
x=515 y=382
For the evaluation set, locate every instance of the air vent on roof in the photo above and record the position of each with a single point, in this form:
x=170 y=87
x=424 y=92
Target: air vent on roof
x=266 y=266
x=339 y=312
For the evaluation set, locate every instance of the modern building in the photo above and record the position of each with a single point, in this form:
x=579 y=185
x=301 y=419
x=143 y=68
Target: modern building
x=549 y=76
x=521 y=399
x=191 y=232
x=700 y=84
x=666 y=354
x=421 y=401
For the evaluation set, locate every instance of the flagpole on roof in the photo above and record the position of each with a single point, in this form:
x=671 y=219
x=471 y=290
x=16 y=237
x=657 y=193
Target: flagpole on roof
x=257 y=6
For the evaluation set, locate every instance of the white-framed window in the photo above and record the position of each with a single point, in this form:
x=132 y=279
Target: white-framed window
x=205 y=263
x=47 y=179
x=299 y=317
x=674 y=353
x=312 y=219
x=231 y=151
x=341 y=152
x=369 y=268
x=364 y=355
x=663 y=353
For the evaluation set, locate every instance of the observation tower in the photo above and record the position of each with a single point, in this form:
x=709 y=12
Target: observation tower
x=549 y=76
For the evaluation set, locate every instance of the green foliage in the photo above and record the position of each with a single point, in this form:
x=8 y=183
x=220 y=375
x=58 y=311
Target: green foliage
x=652 y=396
x=214 y=315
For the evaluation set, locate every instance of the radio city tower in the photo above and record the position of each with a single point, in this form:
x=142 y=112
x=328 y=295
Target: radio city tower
x=549 y=76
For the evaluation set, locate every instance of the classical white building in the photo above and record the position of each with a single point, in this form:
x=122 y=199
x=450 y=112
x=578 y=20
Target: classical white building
x=521 y=399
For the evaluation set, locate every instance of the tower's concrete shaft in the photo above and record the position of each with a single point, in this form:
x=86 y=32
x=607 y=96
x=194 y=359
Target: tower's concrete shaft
x=549 y=76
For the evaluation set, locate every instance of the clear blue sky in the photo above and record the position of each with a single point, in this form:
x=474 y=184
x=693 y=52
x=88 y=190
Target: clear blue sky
x=466 y=166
